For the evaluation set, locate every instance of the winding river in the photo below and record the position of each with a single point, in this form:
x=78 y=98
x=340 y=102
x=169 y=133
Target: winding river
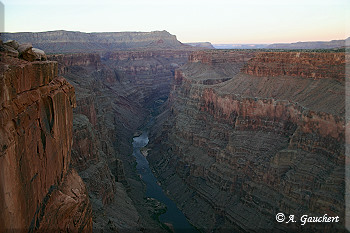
x=173 y=215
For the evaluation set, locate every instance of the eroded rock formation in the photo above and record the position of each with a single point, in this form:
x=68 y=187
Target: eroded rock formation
x=39 y=191
x=248 y=135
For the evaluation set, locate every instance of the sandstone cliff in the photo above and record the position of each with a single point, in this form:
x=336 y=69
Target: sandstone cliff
x=67 y=61
x=248 y=135
x=39 y=191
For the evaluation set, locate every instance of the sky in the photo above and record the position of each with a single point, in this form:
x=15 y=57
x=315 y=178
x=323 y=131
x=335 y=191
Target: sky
x=218 y=22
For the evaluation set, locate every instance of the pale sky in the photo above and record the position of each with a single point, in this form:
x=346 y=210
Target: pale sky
x=219 y=21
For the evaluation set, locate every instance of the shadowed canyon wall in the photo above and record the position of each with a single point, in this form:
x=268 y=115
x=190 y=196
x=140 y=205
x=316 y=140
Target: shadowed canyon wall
x=115 y=93
x=39 y=191
x=248 y=135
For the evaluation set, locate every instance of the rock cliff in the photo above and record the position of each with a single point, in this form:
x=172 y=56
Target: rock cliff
x=39 y=191
x=298 y=64
x=248 y=135
x=73 y=60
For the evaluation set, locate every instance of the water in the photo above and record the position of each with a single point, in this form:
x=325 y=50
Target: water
x=173 y=215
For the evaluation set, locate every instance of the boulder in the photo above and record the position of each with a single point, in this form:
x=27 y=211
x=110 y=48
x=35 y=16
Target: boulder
x=10 y=51
x=25 y=52
x=40 y=54
x=12 y=43
x=22 y=48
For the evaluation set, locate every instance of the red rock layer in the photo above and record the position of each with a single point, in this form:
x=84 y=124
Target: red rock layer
x=66 y=61
x=68 y=208
x=226 y=56
x=36 y=120
x=139 y=55
x=297 y=64
x=256 y=114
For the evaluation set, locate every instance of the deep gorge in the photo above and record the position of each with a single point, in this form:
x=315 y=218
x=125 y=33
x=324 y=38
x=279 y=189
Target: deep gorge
x=119 y=93
x=238 y=135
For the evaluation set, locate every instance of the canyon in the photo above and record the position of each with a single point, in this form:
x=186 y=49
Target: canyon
x=238 y=135
x=114 y=93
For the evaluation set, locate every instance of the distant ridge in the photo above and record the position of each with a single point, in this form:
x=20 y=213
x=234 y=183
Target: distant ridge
x=240 y=46
x=311 y=45
x=74 y=41
x=206 y=45
x=297 y=45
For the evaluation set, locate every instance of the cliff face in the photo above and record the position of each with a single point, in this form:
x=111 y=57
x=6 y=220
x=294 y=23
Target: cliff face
x=298 y=64
x=38 y=189
x=73 y=60
x=225 y=57
x=247 y=136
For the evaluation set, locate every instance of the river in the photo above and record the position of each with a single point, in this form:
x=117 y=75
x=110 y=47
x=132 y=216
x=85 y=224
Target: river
x=173 y=215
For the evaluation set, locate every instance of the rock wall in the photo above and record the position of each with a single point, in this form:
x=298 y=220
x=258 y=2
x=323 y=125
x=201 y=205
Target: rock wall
x=261 y=135
x=226 y=56
x=65 y=61
x=38 y=189
x=298 y=64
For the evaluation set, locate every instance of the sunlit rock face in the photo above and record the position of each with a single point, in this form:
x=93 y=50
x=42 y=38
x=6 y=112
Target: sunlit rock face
x=247 y=135
x=38 y=189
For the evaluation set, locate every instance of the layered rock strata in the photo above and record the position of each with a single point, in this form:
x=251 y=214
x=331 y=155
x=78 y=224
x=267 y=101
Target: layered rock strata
x=67 y=61
x=146 y=75
x=249 y=135
x=80 y=42
x=38 y=189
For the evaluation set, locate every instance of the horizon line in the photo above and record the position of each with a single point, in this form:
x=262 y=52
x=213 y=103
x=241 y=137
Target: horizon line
x=213 y=43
